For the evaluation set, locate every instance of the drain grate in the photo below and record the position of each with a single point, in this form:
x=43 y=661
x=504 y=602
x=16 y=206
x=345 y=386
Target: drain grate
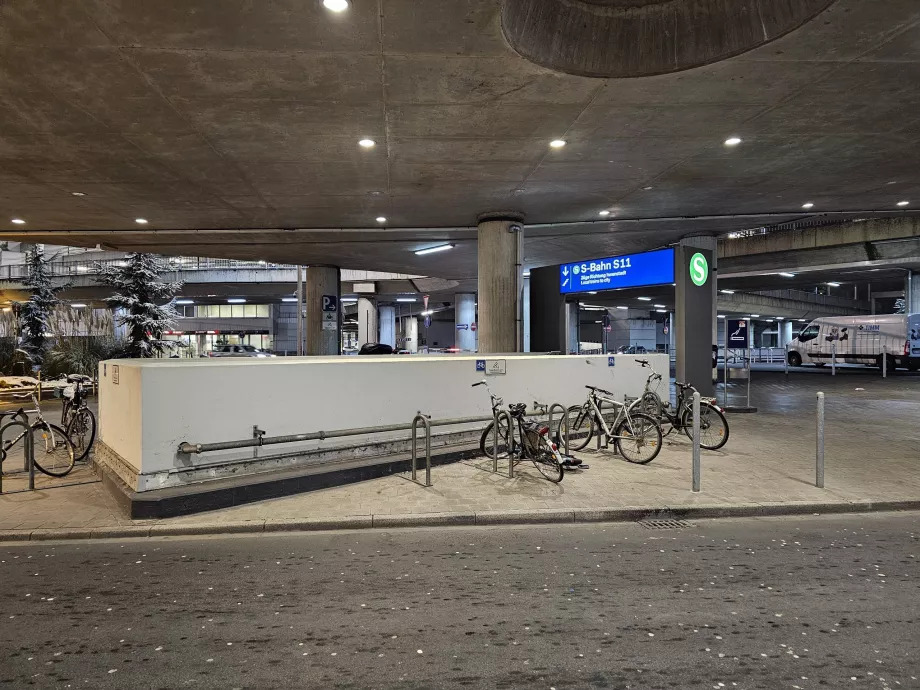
x=670 y=523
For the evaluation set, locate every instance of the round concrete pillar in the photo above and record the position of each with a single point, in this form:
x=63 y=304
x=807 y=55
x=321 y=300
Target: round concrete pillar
x=500 y=240
x=410 y=334
x=465 y=322
x=323 y=324
x=387 y=321
x=367 y=321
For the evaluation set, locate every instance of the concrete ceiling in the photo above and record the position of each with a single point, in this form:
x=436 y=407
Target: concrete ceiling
x=233 y=128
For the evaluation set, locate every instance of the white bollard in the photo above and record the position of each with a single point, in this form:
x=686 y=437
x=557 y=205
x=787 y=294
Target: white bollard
x=696 y=441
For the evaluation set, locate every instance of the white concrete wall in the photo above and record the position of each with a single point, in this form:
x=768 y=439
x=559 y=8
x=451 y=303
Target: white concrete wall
x=212 y=400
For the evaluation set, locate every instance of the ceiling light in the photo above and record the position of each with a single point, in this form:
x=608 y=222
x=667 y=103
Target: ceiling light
x=598 y=322
x=780 y=318
x=593 y=292
x=406 y=299
x=903 y=203
x=769 y=320
x=721 y=316
x=236 y=300
x=803 y=321
x=348 y=300
x=624 y=308
x=733 y=141
x=645 y=299
x=834 y=284
x=336 y=5
x=648 y=188
x=428 y=313
x=185 y=301
x=432 y=250
x=755 y=316
x=261 y=262
x=83 y=269
x=787 y=275
x=140 y=221
x=77 y=305
x=808 y=205
x=727 y=292
x=661 y=306
x=526 y=274
x=557 y=143
x=381 y=219
x=78 y=193
x=662 y=311
x=605 y=213
x=288 y=299
x=367 y=143
x=18 y=221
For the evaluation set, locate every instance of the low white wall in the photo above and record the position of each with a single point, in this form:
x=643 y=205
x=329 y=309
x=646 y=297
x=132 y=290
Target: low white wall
x=211 y=400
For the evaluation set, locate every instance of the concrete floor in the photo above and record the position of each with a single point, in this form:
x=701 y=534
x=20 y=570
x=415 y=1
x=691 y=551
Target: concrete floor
x=749 y=603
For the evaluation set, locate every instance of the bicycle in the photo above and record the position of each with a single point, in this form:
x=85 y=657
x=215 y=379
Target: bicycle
x=53 y=449
x=636 y=435
x=534 y=446
x=77 y=419
x=713 y=424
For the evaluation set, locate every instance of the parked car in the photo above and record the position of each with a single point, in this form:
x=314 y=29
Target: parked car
x=375 y=349
x=239 y=351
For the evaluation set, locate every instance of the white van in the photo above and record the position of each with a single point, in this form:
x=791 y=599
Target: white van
x=858 y=340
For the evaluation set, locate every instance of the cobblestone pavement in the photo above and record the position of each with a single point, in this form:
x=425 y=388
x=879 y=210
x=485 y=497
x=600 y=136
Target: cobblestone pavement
x=873 y=438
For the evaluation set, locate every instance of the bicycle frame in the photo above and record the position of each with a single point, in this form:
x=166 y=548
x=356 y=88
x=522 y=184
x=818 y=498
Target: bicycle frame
x=622 y=412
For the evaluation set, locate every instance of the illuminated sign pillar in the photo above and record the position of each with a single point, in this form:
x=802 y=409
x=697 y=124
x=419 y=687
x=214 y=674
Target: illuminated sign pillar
x=695 y=304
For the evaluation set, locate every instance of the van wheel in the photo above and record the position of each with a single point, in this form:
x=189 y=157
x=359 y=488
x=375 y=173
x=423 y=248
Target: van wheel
x=795 y=359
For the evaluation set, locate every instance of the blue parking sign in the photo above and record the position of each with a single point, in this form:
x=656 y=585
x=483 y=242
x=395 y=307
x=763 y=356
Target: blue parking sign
x=480 y=365
x=611 y=361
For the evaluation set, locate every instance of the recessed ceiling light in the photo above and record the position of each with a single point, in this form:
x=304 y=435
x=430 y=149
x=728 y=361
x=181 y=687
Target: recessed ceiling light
x=406 y=299
x=662 y=311
x=18 y=221
x=661 y=306
x=903 y=203
x=623 y=308
x=721 y=316
x=733 y=141
x=381 y=219
x=367 y=143
x=769 y=320
x=755 y=316
x=336 y=5
x=526 y=274
x=78 y=193
x=605 y=213
x=644 y=299
x=432 y=250
x=288 y=299
x=592 y=292
x=185 y=301
x=140 y=221
x=557 y=143
x=803 y=321
x=727 y=292
x=787 y=275
x=834 y=284
x=808 y=205
x=236 y=300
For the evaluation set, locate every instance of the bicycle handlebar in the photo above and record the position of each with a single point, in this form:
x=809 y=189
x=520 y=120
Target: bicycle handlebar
x=598 y=390
x=642 y=362
x=480 y=383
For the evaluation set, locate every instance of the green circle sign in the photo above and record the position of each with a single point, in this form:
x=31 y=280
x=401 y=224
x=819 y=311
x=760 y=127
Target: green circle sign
x=699 y=269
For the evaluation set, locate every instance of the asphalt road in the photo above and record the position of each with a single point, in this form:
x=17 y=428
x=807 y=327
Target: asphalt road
x=755 y=603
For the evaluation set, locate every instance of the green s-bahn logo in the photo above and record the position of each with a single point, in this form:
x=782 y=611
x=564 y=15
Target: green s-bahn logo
x=699 y=269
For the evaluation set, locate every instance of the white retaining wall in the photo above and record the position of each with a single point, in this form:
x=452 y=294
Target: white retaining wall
x=158 y=404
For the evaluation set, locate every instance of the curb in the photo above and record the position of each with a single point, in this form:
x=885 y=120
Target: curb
x=489 y=517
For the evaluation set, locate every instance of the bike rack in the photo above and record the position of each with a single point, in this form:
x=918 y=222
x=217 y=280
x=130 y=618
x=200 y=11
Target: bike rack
x=504 y=414
x=426 y=422
x=564 y=419
x=20 y=418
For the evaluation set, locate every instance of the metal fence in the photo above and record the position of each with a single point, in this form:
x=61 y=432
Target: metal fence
x=90 y=267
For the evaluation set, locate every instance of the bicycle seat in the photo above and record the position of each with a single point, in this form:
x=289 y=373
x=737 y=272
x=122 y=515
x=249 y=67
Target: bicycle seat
x=517 y=408
x=598 y=390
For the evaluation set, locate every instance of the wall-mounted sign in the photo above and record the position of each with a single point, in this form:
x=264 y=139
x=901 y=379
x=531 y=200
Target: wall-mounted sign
x=699 y=269
x=330 y=303
x=115 y=374
x=630 y=270
x=463 y=327
x=492 y=367
x=737 y=332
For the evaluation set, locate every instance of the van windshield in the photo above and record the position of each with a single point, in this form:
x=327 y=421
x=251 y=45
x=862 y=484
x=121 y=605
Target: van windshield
x=809 y=333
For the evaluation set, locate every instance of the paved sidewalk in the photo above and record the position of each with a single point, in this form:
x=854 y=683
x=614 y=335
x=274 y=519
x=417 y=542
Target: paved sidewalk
x=768 y=466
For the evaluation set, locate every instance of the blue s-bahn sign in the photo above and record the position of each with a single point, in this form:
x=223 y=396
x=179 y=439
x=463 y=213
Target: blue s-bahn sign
x=630 y=270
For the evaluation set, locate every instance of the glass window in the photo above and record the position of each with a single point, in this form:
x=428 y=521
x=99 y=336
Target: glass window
x=248 y=348
x=810 y=333
x=213 y=311
x=250 y=311
x=238 y=311
x=225 y=311
x=262 y=311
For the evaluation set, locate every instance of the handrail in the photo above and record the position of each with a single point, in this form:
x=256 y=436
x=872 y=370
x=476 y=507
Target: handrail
x=427 y=424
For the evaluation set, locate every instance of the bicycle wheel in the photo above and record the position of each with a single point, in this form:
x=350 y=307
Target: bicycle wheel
x=581 y=428
x=639 y=438
x=713 y=426
x=544 y=459
x=487 y=441
x=82 y=432
x=54 y=453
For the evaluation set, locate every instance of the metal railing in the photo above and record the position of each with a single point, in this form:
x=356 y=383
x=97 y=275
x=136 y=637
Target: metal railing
x=89 y=267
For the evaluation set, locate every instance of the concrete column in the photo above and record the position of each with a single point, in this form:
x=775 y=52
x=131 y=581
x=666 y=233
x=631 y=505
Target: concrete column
x=672 y=342
x=387 y=324
x=323 y=328
x=525 y=310
x=202 y=345
x=571 y=328
x=410 y=333
x=367 y=321
x=500 y=319
x=785 y=333
x=696 y=313
x=912 y=292
x=464 y=318
x=547 y=311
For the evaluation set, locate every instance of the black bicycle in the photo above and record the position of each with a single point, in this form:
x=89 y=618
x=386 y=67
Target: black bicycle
x=77 y=419
x=534 y=440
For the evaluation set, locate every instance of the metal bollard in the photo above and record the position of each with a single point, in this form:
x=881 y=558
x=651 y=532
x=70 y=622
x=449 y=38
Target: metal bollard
x=833 y=359
x=819 y=453
x=749 y=369
x=884 y=365
x=495 y=441
x=696 y=441
x=786 y=361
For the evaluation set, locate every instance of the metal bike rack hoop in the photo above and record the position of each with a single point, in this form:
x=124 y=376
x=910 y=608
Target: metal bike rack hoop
x=426 y=421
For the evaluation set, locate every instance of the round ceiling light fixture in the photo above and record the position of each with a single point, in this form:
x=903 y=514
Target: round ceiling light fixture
x=557 y=143
x=367 y=143
x=381 y=219
x=336 y=5
x=808 y=205
x=18 y=221
x=903 y=203
x=140 y=221
x=605 y=212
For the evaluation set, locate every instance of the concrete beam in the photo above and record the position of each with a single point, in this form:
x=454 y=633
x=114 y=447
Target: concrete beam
x=769 y=306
